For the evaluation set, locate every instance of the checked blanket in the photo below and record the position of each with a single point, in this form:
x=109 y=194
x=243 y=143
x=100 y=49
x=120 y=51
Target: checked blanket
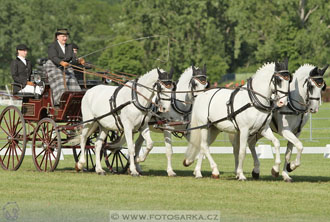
x=55 y=79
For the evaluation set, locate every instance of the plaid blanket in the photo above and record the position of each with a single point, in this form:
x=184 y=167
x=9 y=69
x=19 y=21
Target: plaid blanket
x=55 y=79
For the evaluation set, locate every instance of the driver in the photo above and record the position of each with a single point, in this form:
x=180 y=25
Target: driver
x=60 y=55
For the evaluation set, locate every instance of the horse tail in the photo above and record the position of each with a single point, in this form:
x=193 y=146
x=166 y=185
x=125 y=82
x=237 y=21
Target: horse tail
x=194 y=142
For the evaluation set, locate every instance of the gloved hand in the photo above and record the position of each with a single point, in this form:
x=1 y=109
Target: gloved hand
x=81 y=61
x=64 y=64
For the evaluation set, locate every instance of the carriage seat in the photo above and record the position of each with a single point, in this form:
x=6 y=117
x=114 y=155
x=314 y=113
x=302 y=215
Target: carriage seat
x=24 y=94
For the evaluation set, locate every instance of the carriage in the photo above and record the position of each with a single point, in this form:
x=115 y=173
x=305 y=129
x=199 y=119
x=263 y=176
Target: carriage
x=49 y=129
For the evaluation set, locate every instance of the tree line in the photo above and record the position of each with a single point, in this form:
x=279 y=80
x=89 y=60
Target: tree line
x=135 y=36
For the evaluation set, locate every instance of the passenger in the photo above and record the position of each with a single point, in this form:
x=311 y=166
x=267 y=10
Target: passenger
x=21 y=70
x=78 y=72
x=60 y=55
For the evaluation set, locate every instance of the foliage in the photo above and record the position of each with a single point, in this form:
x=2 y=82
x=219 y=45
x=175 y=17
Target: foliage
x=227 y=36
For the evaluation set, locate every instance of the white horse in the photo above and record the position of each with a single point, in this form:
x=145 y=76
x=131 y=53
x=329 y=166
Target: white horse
x=244 y=111
x=193 y=79
x=131 y=118
x=304 y=97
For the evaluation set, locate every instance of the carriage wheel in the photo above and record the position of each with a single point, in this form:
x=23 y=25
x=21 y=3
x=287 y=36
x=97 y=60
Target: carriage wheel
x=12 y=138
x=116 y=161
x=46 y=145
x=89 y=153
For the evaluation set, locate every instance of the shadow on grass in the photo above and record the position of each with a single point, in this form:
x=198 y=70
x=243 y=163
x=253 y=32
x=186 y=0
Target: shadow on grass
x=230 y=176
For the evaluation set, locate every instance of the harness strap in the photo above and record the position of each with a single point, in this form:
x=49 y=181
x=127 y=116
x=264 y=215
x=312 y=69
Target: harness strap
x=254 y=99
x=135 y=98
x=113 y=106
x=175 y=106
x=112 y=111
x=230 y=108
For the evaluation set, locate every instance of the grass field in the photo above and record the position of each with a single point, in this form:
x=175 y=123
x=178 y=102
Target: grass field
x=65 y=195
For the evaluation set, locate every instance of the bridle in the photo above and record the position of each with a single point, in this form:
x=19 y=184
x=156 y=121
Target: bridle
x=202 y=79
x=276 y=80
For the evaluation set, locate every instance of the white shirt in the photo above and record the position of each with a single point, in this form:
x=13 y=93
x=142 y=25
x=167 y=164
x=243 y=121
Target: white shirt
x=62 y=46
x=22 y=59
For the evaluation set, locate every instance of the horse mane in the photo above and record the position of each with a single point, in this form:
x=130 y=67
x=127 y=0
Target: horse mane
x=266 y=68
x=150 y=77
x=303 y=71
x=185 y=76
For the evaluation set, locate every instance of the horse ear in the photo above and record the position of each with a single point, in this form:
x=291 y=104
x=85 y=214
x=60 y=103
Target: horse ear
x=193 y=69
x=286 y=63
x=204 y=70
x=314 y=72
x=277 y=66
x=160 y=74
x=324 y=69
x=171 y=73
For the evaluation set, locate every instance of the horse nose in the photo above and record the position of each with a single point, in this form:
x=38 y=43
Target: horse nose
x=281 y=103
x=311 y=110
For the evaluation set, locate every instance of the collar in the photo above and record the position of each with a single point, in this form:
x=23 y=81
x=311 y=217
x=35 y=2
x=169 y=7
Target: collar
x=61 y=46
x=22 y=59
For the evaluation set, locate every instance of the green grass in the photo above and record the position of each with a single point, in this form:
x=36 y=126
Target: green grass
x=65 y=195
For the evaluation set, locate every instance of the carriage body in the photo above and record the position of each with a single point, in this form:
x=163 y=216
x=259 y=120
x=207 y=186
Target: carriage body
x=48 y=129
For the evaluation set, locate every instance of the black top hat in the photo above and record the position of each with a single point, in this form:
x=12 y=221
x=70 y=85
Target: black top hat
x=21 y=47
x=62 y=32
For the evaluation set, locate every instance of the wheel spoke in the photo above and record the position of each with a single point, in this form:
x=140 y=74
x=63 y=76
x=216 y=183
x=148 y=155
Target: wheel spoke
x=4 y=146
x=46 y=161
x=9 y=155
x=50 y=160
x=5 y=131
x=117 y=162
x=40 y=154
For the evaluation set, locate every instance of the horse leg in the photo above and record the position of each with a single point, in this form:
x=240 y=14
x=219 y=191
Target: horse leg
x=268 y=134
x=287 y=134
x=145 y=132
x=213 y=133
x=87 y=130
x=243 y=138
x=234 y=139
x=286 y=167
x=205 y=149
x=169 y=152
x=138 y=146
x=131 y=150
x=98 y=147
x=252 y=146
x=198 y=168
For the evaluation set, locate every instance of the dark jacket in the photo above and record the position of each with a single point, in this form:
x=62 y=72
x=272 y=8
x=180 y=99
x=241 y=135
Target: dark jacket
x=21 y=73
x=56 y=55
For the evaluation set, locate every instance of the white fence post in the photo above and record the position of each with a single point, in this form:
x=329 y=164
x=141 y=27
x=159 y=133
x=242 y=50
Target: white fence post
x=327 y=151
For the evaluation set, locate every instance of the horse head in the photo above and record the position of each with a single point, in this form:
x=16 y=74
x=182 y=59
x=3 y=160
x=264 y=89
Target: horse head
x=199 y=79
x=281 y=81
x=315 y=85
x=164 y=86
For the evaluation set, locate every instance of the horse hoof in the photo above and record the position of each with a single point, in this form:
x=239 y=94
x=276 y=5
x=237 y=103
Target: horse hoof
x=171 y=174
x=214 y=176
x=241 y=179
x=274 y=173
x=101 y=173
x=255 y=175
x=76 y=167
x=135 y=175
x=288 y=168
x=185 y=163
x=288 y=180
